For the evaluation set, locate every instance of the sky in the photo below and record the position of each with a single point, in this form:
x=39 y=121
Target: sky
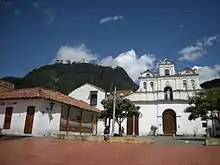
x=135 y=35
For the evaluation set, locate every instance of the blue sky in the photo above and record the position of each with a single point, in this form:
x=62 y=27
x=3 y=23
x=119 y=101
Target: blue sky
x=33 y=33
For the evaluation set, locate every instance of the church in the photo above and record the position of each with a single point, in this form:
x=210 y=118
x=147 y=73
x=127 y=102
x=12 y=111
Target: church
x=162 y=97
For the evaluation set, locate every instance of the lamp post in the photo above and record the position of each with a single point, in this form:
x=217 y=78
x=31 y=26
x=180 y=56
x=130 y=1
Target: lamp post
x=113 y=114
x=134 y=126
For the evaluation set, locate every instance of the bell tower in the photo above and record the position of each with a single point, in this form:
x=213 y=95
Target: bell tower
x=166 y=68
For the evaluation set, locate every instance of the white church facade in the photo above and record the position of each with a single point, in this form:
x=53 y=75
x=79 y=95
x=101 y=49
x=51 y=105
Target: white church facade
x=163 y=96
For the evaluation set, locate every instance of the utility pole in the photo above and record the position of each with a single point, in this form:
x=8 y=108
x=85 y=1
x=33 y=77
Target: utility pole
x=133 y=118
x=113 y=114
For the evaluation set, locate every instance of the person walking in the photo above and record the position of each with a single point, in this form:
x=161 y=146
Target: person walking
x=106 y=134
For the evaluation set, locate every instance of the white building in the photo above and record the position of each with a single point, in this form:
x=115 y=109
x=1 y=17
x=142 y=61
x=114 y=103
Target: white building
x=6 y=86
x=41 y=112
x=163 y=96
x=93 y=95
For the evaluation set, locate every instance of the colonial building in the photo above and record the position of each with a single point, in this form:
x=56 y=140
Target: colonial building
x=6 y=86
x=92 y=95
x=162 y=96
x=42 y=112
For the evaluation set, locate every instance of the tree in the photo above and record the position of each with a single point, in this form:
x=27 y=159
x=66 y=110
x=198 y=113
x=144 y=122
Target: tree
x=124 y=108
x=204 y=101
x=215 y=83
x=71 y=76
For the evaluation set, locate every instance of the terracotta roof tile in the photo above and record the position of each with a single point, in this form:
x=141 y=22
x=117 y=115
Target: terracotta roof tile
x=42 y=93
x=124 y=91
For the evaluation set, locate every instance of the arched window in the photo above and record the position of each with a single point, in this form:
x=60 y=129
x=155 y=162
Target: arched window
x=193 y=83
x=166 y=72
x=184 y=84
x=145 y=85
x=148 y=75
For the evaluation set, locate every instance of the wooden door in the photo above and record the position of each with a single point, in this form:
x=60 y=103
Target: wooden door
x=136 y=125
x=29 y=120
x=129 y=125
x=169 y=122
x=8 y=115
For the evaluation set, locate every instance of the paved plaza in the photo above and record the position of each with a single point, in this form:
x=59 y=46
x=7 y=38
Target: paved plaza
x=46 y=151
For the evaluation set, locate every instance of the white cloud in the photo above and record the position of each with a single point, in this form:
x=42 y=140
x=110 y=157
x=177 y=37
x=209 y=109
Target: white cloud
x=209 y=41
x=77 y=54
x=110 y=18
x=207 y=73
x=197 y=50
x=129 y=60
x=133 y=64
x=108 y=61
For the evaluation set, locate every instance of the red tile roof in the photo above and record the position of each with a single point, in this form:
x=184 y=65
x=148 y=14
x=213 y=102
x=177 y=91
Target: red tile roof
x=41 y=93
x=124 y=91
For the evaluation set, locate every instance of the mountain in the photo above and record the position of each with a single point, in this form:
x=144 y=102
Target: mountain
x=67 y=77
x=211 y=84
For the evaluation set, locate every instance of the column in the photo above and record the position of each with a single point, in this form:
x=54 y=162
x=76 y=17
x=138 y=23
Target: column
x=92 y=123
x=80 y=124
x=67 y=118
x=96 y=124
x=133 y=125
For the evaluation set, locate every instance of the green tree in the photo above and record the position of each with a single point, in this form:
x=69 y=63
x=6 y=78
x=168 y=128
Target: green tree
x=204 y=101
x=124 y=108
x=67 y=77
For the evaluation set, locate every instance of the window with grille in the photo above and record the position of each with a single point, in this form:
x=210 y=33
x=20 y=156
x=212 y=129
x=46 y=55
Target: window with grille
x=145 y=85
x=93 y=98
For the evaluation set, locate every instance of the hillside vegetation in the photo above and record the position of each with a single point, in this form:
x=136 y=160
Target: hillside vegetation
x=66 y=77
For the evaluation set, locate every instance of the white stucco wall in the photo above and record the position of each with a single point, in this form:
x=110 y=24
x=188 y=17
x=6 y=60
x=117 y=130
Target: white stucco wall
x=152 y=96
x=83 y=93
x=43 y=124
x=152 y=115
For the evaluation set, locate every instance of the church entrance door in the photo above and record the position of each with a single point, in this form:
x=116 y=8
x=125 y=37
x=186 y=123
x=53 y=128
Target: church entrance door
x=169 y=122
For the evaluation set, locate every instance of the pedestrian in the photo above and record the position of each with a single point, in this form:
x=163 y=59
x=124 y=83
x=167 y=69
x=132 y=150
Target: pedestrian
x=106 y=134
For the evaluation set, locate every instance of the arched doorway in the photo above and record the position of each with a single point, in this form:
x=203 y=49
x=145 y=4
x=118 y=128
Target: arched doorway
x=169 y=122
x=168 y=93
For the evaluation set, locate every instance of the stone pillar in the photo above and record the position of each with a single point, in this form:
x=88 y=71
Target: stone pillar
x=133 y=125
x=92 y=123
x=67 y=118
x=80 y=124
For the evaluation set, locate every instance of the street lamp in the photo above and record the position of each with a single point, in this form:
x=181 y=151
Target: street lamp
x=113 y=114
x=133 y=125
